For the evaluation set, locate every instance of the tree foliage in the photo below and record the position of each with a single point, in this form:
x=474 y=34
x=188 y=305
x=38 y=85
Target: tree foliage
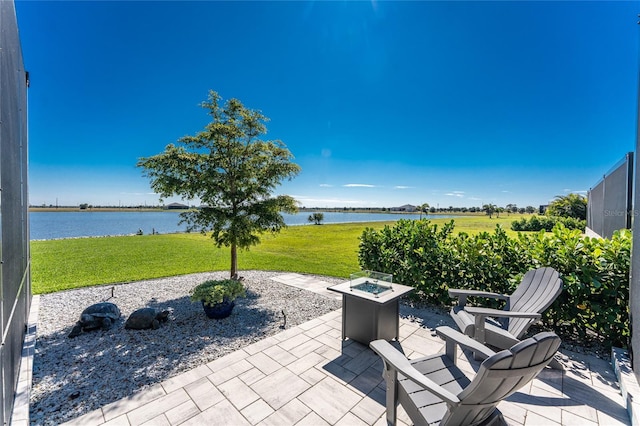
x=490 y=209
x=571 y=205
x=232 y=172
x=316 y=218
x=423 y=208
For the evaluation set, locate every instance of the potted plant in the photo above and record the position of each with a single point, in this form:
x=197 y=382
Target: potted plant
x=218 y=296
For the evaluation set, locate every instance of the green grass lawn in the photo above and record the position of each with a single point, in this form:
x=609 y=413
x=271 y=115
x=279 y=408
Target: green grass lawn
x=330 y=250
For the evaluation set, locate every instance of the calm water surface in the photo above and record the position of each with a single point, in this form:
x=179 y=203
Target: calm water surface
x=51 y=225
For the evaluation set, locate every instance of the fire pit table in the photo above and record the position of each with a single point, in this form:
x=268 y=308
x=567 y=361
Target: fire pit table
x=370 y=308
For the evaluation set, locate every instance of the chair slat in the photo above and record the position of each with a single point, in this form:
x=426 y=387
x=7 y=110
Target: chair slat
x=536 y=292
x=499 y=376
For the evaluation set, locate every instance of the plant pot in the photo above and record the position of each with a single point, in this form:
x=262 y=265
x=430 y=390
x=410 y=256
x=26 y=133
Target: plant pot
x=219 y=310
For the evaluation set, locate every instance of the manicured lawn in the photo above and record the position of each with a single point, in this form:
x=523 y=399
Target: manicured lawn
x=330 y=250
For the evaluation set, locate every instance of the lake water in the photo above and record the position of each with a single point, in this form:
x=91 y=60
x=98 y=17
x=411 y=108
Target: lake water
x=51 y=225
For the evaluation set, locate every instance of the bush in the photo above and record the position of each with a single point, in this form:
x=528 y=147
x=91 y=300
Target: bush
x=546 y=223
x=433 y=260
x=595 y=271
x=212 y=292
x=413 y=250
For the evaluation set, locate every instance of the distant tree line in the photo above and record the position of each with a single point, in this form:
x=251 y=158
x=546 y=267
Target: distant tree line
x=509 y=208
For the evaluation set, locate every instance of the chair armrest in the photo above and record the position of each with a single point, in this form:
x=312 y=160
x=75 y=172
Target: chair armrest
x=395 y=360
x=481 y=314
x=488 y=312
x=453 y=336
x=462 y=295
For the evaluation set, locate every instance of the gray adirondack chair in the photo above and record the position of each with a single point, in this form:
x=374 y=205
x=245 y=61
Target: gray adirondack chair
x=535 y=293
x=434 y=391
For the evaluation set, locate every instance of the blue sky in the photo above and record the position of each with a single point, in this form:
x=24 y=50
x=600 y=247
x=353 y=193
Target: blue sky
x=381 y=103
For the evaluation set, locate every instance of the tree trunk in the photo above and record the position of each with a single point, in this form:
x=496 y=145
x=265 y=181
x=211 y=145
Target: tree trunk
x=234 y=262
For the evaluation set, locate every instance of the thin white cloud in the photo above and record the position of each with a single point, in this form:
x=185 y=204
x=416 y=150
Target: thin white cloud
x=458 y=194
x=505 y=191
x=402 y=187
x=475 y=198
x=326 y=185
x=358 y=185
x=307 y=200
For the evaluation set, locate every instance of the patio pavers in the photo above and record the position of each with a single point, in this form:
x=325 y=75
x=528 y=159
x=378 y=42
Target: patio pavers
x=307 y=375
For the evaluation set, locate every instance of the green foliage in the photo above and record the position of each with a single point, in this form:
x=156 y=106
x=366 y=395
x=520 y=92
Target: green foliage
x=490 y=209
x=232 y=172
x=433 y=259
x=316 y=218
x=489 y=261
x=412 y=249
x=423 y=208
x=547 y=223
x=215 y=291
x=571 y=205
x=595 y=272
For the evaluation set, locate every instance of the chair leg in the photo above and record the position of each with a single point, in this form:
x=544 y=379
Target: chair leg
x=391 y=379
x=479 y=335
x=496 y=419
x=555 y=364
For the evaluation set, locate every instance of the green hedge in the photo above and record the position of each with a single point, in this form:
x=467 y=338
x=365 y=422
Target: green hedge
x=547 y=223
x=595 y=272
x=432 y=259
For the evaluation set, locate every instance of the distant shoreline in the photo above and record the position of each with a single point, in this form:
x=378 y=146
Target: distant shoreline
x=98 y=209
x=302 y=210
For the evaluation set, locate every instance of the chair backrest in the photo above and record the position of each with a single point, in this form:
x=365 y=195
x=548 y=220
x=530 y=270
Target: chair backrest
x=501 y=375
x=535 y=293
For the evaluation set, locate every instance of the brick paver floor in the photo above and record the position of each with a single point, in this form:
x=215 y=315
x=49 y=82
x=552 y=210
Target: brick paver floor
x=307 y=375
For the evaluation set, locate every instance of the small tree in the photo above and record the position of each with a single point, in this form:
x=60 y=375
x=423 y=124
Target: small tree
x=424 y=208
x=571 y=205
x=232 y=172
x=316 y=218
x=489 y=209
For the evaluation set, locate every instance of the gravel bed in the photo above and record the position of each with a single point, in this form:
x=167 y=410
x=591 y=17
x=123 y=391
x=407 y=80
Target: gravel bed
x=74 y=376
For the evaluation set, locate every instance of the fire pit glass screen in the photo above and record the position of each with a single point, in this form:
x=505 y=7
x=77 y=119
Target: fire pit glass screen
x=371 y=282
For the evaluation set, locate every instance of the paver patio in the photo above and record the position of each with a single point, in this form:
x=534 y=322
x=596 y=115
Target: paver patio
x=307 y=375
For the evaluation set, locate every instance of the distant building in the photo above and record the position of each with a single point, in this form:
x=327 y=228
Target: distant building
x=406 y=208
x=177 y=206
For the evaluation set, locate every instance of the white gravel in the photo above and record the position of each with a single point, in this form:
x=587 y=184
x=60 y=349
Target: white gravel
x=74 y=376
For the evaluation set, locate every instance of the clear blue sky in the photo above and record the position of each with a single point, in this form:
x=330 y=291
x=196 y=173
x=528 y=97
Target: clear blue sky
x=381 y=103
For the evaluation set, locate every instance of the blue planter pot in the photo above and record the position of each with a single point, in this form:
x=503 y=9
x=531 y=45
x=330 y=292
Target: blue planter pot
x=219 y=310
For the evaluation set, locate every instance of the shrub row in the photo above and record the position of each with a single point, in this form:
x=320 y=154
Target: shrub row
x=546 y=223
x=594 y=303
